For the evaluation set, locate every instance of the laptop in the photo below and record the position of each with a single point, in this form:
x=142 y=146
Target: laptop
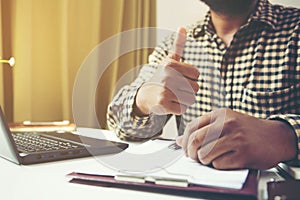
x=39 y=147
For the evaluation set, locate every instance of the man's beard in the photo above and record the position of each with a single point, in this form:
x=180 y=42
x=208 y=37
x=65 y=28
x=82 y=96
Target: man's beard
x=229 y=7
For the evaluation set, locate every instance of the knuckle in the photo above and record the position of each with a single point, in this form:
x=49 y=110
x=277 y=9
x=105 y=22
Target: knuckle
x=170 y=63
x=195 y=142
x=218 y=165
x=233 y=119
x=190 y=100
x=166 y=80
x=193 y=125
x=203 y=159
x=196 y=73
x=239 y=136
x=192 y=154
x=230 y=123
x=194 y=86
x=224 y=110
x=241 y=143
x=162 y=100
x=165 y=93
x=189 y=127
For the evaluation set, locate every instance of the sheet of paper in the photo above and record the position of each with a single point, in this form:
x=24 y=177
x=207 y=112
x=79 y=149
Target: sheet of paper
x=182 y=168
x=194 y=172
x=150 y=146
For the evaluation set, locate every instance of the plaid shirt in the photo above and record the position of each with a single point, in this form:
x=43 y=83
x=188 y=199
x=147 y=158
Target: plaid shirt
x=258 y=74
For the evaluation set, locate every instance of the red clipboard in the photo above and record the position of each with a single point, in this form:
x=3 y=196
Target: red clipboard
x=248 y=192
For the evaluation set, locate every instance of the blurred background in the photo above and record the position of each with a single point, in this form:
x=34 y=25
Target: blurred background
x=51 y=38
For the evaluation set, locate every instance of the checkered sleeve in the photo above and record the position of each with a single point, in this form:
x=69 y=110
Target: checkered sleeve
x=120 y=113
x=294 y=119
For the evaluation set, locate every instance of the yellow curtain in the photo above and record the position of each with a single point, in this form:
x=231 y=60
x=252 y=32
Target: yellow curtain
x=51 y=38
x=1 y=65
x=6 y=74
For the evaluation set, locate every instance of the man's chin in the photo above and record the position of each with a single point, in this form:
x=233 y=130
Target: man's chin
x=230 y=7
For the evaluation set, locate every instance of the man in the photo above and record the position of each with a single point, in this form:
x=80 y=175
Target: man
x=234 y=80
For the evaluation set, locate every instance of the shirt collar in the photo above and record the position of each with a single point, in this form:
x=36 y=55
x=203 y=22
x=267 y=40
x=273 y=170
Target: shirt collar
x=264 y=14
x=203 y=27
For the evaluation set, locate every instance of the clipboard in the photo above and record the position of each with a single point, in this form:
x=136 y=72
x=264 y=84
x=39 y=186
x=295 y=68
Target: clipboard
x=248 y=192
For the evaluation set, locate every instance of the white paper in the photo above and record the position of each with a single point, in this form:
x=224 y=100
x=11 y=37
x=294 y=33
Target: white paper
x=183 y=168
x=199 y=174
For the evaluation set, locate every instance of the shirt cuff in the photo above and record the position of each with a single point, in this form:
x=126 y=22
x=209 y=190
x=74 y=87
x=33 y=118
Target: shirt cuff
x=137 y=121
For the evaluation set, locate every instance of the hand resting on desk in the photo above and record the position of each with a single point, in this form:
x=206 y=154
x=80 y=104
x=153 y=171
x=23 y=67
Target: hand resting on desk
x=237 y=140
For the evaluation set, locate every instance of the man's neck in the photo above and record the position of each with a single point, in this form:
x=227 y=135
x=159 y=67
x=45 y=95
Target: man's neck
x=227 y=25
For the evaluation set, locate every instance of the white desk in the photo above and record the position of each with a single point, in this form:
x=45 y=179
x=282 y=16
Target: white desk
x=48 y=181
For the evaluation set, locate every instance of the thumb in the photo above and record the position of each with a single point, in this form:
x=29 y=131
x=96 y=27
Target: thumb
x=179 y=44
x=179 y=140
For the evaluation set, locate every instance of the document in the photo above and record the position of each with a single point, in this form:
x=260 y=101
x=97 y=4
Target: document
x=180 y=171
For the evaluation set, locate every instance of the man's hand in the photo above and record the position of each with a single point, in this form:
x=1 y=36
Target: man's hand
x=172 y=89
x=231 y=140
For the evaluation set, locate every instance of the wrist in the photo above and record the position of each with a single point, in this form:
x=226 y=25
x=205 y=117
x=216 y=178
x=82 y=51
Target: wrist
x=289 y=142
x=139 y=106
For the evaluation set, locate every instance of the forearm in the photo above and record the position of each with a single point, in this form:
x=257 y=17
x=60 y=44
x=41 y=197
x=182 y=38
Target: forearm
x=123 y=120
x=293 y=120
x=124 y=117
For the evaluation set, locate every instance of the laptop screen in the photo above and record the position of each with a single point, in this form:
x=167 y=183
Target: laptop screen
x=7 y=147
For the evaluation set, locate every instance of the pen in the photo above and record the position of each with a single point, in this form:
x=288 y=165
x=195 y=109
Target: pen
x=244 y=95
x=164 y=139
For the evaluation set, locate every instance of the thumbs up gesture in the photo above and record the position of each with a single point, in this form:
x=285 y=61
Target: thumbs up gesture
x=179 y=44
x=173 y=87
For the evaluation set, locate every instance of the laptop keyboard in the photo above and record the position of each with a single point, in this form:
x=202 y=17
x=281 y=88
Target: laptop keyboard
x=33 y=142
